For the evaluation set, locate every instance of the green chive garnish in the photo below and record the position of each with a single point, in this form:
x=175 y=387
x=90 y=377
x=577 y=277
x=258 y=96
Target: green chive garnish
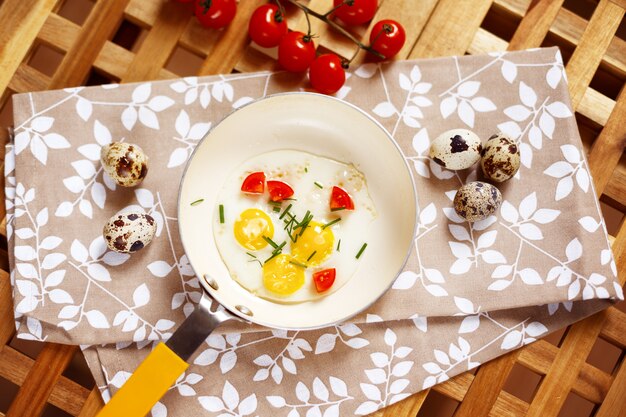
x=358 y=255
x=338 y=245
x=271 y=257
x=285 y=211
x=296 y=263
x=195 y=203
x=221 y=213
x=251 y=254
x=256 y=260
x=311 y=255
x=331 y=223
x=276 y=209
x=290 y=199
x=338 y=209
x=306 y=169
x=270 y=241
x=317 y=184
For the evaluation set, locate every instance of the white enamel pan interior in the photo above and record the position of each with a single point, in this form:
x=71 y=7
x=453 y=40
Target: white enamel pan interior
x=323 y=126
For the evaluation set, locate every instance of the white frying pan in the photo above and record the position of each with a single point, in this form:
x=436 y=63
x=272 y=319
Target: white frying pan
x=307 y=122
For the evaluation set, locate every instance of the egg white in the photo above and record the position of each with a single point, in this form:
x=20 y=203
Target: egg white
x=301 y=170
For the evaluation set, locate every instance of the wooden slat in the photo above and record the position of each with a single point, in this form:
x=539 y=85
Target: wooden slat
x=7 y=324
x=231 y=45
x=66 y=394
x=609 y=146
x=100 y=25
x=32 y=396
x=159 y=44
x=58 y=32
x=592 y=46
x=451 y=28
x=569 y=27
x=21 y=21
x=508 y=405
x=27 y=79
x=92 y=405
x=567 y=364
x=494 y=374
x=456 y=387
x=592 y=384
x=614 y=404
x=614 y=328
x=535 y=25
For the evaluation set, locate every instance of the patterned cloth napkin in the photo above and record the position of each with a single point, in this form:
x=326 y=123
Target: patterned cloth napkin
x=469 y=293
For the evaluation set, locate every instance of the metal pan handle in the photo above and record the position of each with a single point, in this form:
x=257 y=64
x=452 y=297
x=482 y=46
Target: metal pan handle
x=156 y=374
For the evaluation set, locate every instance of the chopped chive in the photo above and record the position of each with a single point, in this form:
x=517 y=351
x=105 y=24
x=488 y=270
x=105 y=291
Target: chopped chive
x=275 y=203
x=290 y=199
x=251 y=254
x=311 y=255
x=306 y=169
x=305 y=222
x=296 y=263
x=276 y=209
x=358 y=255
x=338 y=209
x=338 y=245
x=195 y=203
x=221 y=213
x=256 y=260
x=270 y=241
x=317 y=184
x=285 y=211
x=331 y=223
x=281 y=246
x=271 y=257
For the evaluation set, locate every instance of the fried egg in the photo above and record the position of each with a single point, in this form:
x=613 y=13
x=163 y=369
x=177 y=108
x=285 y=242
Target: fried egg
x=260 y=241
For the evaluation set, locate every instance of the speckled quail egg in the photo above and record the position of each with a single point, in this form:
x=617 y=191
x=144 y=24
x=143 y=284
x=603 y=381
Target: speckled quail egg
x=477 y=200
x=456 y=149
x=129 y=231
x=500 y=158
x=126 y=163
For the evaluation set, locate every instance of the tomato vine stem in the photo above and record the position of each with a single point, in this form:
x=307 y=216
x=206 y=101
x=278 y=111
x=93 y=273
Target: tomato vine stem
x=324 y=18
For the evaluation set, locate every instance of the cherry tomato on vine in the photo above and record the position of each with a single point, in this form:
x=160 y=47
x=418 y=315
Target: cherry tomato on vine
x=296 y=52
x=387 y=37
x=361 y=11
x=326 y=74
x=215 y=13
x=267 y=26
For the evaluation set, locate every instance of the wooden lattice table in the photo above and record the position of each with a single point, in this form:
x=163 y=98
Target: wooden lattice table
x=133 y=40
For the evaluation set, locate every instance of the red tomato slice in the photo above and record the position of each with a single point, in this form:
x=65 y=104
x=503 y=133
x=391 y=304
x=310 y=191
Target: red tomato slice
x=340 y=199
x=324 y=279
x=279 y=190
x=254 y=183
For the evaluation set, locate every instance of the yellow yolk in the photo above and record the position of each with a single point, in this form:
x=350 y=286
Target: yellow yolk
x=251 y=226
x=282 y=277
x=314 y=246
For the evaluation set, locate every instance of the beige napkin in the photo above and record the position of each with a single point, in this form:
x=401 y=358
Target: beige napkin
x=510 y=278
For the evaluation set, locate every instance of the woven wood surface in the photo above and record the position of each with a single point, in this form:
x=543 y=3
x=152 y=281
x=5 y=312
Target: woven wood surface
x=134 y=40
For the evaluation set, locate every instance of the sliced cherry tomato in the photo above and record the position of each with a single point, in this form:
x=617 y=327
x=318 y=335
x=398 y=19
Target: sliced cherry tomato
x=254 y=183
x=326 y=74
x=279 y=190
x=387 y=37
x=361 y=11
x=296 y=52
x=340 y=199
x=215 y=13
x=267 y=26
x=324 y=279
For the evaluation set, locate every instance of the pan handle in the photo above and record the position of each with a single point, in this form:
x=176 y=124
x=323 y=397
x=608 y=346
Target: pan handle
x=156 y=374
x=147 y=385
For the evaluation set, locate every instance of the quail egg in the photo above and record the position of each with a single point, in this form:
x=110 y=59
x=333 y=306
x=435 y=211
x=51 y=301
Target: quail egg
x=456 y=149
x=477 y=200
x=126 y=163
x=500 y=158
x=129 y=231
